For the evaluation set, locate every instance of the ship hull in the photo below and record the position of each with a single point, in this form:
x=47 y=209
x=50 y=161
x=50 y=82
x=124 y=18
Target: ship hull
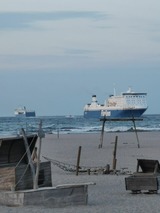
x=26 y=114
x=125 y=113
x=30 y=114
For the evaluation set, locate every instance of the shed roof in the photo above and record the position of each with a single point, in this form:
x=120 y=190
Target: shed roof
x=12 y=149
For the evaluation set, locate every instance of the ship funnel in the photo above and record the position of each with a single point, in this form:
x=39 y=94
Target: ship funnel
x=94 y=98
x=129 y=90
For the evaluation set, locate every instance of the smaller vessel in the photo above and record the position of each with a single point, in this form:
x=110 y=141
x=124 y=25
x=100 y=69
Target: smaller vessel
x=69 y=116
x=23 y=112
x=128 y=104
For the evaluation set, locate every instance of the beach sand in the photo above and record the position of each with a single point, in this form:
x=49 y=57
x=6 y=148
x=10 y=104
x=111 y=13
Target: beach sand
x=109 y=193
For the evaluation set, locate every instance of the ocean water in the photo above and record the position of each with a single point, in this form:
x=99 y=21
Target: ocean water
x=74 y=124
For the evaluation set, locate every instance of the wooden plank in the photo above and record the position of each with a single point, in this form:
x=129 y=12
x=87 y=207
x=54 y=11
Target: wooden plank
x=75 y=184
x=49 y=197
x=7 y=178
x=141 y=183
x=121 y=119
x=58 y=197
x=26 y=182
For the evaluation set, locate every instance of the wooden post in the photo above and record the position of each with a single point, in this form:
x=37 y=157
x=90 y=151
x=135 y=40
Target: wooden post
x=78 y=160
x=58 y=133
x=89 y=171
x=107 y=169
x=137 y=167
x=136 y=133
x=102 y=133
x=41 y=135
x=114 y=153
x=28 y=154
x=58 y=129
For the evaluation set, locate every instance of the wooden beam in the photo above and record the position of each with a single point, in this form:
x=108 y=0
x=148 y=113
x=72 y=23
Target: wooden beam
x=28 y=154
x=136 y=133
x=41 y=135
x=121 y=119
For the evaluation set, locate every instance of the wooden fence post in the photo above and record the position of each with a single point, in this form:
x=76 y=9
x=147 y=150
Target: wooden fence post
x=114 y=153
x=138 y=144
x=78 y=160
x=102 y=133
x=40 y=135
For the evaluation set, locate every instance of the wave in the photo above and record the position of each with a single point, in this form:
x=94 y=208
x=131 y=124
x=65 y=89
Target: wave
x=98 y=130
x=63 y=125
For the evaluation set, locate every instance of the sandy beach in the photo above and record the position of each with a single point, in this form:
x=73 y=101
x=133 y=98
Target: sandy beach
x=109 y=193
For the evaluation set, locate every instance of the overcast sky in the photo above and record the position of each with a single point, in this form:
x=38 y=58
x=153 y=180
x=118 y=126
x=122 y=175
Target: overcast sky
x=54 y=55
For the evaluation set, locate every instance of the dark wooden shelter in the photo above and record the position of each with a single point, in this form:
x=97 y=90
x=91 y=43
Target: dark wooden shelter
x=15 y=170
x=24 y=181
x=146 y=177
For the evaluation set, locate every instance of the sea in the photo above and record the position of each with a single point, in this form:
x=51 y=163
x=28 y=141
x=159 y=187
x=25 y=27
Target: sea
x=74 y=124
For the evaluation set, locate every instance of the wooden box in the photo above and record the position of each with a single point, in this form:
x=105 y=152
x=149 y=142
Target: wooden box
x=146 y=179
x=20 y=178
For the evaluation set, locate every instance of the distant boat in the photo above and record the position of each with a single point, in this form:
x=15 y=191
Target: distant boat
x=69 y=116
x=128 y=104
x=23 y=112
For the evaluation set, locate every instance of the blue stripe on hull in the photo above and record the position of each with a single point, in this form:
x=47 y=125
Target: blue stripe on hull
x=27 y=114
x=115 y=113
x=30 y=114
x=92 y=114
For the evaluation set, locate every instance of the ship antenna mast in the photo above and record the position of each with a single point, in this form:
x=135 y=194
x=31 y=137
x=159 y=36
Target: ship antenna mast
x=114 y=91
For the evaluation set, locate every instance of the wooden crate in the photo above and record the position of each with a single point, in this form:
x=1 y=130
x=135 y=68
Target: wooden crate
x=147 y=177
x=20 y=178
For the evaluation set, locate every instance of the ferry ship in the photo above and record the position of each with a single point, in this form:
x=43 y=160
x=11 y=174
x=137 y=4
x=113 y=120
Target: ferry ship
x=128 y=104
x=23 y=112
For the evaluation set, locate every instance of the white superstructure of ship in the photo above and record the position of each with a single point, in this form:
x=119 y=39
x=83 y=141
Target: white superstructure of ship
x=128 y=104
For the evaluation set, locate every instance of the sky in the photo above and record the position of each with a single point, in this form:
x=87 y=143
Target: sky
x=54 y=55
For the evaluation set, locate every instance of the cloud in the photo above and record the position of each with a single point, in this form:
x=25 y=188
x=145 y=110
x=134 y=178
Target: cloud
x=78 y=51
x=55 y=63
x=19 y=20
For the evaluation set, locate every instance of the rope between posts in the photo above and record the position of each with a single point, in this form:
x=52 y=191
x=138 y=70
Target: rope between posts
x=27 y=164
x=72 y=168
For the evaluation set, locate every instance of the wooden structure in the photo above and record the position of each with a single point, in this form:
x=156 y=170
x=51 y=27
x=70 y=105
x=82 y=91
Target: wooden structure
x=104 y=119
x=18 y=175
x=147 y=177
x=15 y=172
x=59 y=196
